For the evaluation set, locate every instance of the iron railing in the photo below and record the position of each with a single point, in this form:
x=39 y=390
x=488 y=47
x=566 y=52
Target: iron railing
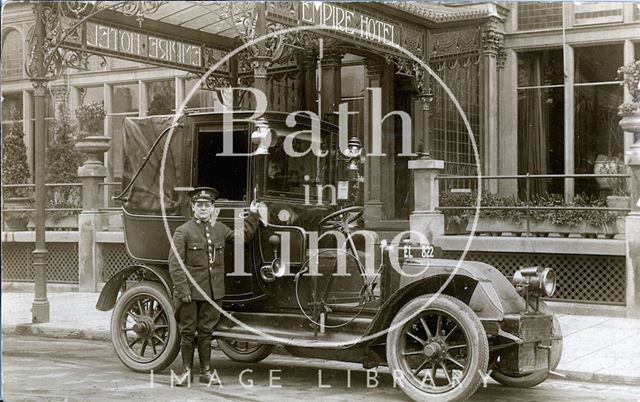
x=48 y=186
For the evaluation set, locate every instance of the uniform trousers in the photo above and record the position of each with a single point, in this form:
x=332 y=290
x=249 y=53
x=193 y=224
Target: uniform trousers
x=197 y=315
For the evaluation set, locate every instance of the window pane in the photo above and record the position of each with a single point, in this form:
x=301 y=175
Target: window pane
x=598 y=63
x=537 y=15
x=597 y=12
x=92 y=94
x=451 y=141
x=12 y=106
x=124 y=98
x=352 y=78
x=597 y=133
x=541 y=137
x=540 y=68
x=201 y=99
x=12 y=63
x=161 y=97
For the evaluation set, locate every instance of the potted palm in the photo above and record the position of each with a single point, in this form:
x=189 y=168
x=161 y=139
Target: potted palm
x=15 y=170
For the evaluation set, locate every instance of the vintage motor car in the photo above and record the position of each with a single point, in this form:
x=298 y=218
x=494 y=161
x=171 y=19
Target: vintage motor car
x=440 y=326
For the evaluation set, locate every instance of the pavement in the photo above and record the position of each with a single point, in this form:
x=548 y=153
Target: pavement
x=596 y=349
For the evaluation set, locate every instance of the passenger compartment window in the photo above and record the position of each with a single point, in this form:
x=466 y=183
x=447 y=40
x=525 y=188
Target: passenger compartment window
x=227 y=174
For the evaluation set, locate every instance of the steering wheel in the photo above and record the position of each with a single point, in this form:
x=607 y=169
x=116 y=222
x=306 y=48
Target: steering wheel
x=341 y=218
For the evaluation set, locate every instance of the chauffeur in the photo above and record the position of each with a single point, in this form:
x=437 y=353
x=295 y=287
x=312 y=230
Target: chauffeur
x=200 y=246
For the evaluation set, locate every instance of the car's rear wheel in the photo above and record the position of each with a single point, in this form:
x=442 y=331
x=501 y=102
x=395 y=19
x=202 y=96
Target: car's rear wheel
x=533 y=379
x=242 y=351
x=144 y=331
x=438 y=350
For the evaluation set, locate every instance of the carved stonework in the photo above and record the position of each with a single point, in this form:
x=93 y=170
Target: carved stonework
x=309 y=60
x=492 y=41
x=374 y=68
x=60 y=93
x=39 y=87
x=332 y=58
x=501 y=57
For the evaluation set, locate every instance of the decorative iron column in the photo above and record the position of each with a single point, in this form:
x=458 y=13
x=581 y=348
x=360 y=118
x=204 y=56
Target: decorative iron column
x=40 y=307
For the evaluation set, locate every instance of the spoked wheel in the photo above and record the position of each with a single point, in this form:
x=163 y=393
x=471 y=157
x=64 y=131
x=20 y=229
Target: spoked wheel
x=143 y=328
x=533 y=379
x=243 y=351
x=440 y=352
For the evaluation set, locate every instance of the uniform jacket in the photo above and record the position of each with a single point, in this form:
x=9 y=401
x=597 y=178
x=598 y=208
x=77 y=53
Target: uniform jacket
x=204 y=257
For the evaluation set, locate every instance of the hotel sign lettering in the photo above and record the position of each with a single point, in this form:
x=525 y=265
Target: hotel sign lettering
x=348 y=21
x=142 y=46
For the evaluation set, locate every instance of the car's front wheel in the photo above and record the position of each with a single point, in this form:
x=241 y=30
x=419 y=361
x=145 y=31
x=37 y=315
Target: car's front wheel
x=242 y=351
x=144 y=331
x=437 y=349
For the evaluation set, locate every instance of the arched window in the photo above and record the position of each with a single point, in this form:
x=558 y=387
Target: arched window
x=12 y=55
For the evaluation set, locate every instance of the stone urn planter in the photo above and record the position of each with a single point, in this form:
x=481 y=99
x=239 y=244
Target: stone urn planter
x=16 y=221
x=94 y=147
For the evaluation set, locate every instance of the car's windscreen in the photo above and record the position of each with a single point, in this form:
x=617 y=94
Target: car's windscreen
x=300 y=176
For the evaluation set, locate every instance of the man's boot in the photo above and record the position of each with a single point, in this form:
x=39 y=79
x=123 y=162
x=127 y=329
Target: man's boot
x=204 y=354
x=186 y=351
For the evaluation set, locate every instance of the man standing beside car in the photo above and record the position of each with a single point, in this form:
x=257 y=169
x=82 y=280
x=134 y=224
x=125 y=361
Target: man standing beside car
x=200 y=246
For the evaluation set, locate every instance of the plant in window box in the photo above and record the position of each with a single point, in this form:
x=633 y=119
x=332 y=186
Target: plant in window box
x=455 y=220
x=15 y=170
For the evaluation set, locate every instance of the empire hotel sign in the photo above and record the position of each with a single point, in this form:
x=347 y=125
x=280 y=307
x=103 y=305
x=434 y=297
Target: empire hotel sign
x=110 y=40
x=350 y=22
x=143 y=46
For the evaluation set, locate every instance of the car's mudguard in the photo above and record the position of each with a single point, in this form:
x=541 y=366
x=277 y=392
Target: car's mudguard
x=481 y=286
x=493 y=297
x=109 y=293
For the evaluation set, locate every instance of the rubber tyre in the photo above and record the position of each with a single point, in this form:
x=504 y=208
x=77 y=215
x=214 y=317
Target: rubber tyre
x=533 y=379
x=170 y=351
x=478 y=347
x=254 y=355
